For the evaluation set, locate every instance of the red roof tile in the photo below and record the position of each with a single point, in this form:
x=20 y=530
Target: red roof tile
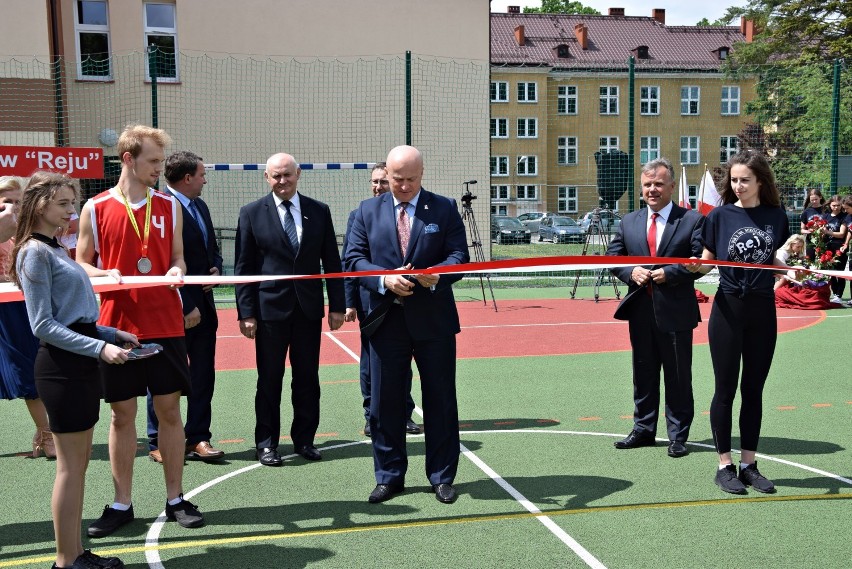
x=611 y=39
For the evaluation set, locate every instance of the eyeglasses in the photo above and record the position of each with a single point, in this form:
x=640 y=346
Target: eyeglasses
x=379 y=182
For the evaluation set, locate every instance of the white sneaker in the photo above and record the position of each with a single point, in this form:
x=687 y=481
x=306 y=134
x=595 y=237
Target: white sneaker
x=836 y=299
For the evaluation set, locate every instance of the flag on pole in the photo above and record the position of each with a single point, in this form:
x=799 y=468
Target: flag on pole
x=683 y=190
x=708 y=197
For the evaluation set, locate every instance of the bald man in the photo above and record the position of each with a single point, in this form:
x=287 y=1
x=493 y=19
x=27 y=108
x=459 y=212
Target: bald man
x=286 y=233
x=410 y=316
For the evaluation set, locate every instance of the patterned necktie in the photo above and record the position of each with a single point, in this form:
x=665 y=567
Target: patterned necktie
x=290 y=227
x=652 y=235
x=193 y=209
x=403 y=229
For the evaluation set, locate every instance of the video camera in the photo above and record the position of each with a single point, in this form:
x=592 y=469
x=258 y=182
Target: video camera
x=467 y=196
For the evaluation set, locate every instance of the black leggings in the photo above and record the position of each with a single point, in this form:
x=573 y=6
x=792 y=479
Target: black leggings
x=838 y=285
x=740 y=329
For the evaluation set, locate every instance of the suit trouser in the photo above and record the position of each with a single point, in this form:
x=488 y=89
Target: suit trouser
x=365 y=380
x=201 y=351
x=654 y=349
x=740 y=329
x=301 y=336
x=391 y=349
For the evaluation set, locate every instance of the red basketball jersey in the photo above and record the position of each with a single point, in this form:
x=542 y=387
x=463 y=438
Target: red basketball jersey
x=153 y=312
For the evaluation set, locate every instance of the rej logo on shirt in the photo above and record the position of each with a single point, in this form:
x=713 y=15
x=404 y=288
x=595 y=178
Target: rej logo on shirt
x=750 y=245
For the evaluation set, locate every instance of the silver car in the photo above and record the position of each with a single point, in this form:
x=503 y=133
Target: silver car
x=531 y=220
x=560 y=230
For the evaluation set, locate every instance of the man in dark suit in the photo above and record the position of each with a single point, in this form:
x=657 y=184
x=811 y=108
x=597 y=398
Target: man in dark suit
x=286 y=233
x=186 y=177
x=410 y=315
x=355 y=301
x=661 y=308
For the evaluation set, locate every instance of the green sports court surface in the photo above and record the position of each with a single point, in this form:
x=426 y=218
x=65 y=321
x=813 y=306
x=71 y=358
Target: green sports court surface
x=544 y=389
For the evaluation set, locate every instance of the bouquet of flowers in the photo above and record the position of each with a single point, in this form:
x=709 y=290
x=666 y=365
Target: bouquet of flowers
x=823 y=258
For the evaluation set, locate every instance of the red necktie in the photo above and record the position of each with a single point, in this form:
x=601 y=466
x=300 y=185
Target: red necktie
x=652 y=235
x=403 y=230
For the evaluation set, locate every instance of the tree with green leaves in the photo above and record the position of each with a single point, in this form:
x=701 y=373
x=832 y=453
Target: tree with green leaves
x=792 y=56
x=561 y=7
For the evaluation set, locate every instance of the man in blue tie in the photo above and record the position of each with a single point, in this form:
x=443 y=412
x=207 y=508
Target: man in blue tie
x=286 y=233
x=186 y=177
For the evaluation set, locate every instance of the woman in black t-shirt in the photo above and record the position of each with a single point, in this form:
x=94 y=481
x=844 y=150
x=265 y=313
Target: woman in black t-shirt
x=835 y=229
x=749 y=227
x=815 y=208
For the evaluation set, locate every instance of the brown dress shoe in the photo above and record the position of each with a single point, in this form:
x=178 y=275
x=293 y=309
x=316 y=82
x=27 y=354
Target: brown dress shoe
x=203 y=451
x=156 y=456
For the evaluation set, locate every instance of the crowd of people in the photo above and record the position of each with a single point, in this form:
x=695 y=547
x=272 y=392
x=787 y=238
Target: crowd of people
x=160 y=342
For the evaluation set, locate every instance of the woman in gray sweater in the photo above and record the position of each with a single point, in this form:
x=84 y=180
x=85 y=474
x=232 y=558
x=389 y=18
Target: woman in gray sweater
x=62 y=311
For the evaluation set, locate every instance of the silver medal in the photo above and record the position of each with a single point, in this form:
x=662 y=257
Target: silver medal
x=144 y=265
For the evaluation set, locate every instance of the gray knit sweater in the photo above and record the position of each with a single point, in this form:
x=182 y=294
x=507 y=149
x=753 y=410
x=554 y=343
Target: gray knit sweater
x=58 y=293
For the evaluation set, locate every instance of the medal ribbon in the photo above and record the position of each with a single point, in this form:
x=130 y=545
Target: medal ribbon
x=143 y=239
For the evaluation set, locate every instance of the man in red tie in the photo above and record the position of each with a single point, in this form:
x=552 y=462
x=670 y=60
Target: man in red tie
x=660 y=307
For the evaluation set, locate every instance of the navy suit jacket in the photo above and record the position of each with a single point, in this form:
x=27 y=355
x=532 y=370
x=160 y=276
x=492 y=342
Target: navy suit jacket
x=437 y=238
x=199 y=257
x=675 y=305
x=261 y=249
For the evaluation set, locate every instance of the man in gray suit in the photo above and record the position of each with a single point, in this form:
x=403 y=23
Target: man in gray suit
x=660 y=307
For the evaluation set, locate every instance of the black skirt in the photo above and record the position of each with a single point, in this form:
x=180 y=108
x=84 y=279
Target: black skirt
x=69 y=385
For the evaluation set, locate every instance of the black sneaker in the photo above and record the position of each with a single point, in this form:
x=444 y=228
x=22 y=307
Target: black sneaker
x=751 y=476
x=89 y=559
x=726 y=479
x=110 y=521
x=185 y=513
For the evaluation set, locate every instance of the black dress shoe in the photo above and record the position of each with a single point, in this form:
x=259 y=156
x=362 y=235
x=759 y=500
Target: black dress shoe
x=309 y=452
x=367 y=431
x=384 y=492
x=445 y=493
x=677 y=449
x=269 y=457
x=412 y=428
x=635 y=440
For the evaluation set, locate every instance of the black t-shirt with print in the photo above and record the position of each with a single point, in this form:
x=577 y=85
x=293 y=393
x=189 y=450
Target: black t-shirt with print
x=809 y=213
x=833 y=223
x=745 y=235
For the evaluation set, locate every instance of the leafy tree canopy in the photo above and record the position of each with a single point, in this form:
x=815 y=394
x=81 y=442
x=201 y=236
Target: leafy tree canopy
x=561 y=7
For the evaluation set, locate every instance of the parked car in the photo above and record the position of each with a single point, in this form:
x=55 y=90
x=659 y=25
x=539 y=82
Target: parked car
x=560 y=230
x=506 y=229
x=608 y=218
x=531 y=220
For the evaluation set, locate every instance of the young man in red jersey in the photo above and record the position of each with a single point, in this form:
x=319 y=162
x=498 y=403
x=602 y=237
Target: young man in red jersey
x=136 y=230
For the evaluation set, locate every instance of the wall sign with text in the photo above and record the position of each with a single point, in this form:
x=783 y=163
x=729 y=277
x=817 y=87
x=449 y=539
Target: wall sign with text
x=74 y=162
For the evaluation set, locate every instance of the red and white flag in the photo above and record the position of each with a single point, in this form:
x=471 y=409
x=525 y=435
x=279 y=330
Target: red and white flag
x=708 y=197
x=683 y=190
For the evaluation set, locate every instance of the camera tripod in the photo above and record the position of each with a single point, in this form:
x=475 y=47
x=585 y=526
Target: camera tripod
x=475 y=241
x=596 y=235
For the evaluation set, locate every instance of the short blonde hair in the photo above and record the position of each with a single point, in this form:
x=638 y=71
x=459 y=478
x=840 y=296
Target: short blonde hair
x=11 y=184
x=134 y=134
x=794 y=238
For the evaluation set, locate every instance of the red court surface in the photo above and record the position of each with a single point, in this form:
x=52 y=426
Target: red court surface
x=518 y=328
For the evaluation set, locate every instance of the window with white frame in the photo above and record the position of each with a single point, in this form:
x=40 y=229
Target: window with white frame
x=649 y=100
x=527 y=192
x=690 y=151
x=649 y=148
x=729 y=147
x=731 y=100
x=527 y=92
x=499 y=165
x=161 y=33
x=499 y=192
x=690 y=97
x=692 y=196
x=566 y=100
x=499 y=128
x=566 y=150
x=609 y=99
x=91 y=32
x=499 y=210
x=566 y=199
x=608 y=143
x=527 y=165
x=527 y=128
x=499 y=92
